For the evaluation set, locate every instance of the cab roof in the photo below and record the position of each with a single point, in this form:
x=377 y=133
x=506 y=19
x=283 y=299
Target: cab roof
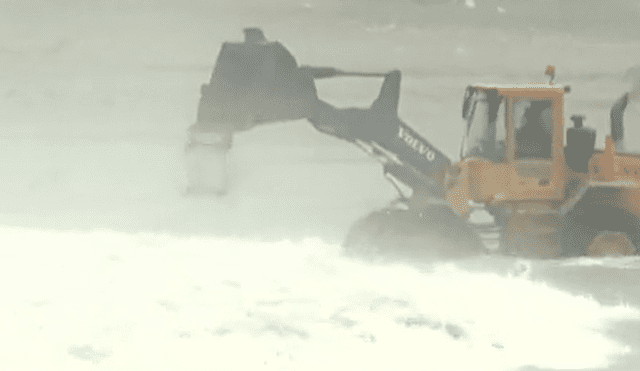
x=521 y=88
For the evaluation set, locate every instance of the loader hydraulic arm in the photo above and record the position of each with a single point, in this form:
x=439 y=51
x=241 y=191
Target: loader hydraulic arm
x=407 y=157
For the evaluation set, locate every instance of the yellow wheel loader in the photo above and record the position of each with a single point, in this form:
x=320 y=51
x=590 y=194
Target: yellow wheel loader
x=546 y=199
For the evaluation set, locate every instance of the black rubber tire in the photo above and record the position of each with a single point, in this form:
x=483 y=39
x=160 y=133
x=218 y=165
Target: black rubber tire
x=579 y=228
x=433 y=233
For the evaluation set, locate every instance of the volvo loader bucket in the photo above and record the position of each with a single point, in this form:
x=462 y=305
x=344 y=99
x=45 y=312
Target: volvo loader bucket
x=253 y=82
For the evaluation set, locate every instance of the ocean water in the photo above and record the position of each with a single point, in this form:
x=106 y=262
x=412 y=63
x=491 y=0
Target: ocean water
x=111 y=301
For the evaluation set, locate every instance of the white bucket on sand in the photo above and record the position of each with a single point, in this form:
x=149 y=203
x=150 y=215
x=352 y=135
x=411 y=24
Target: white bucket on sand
x=206 y=162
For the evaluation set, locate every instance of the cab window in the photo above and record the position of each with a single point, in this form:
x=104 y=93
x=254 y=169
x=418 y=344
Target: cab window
x=485 y=132
x=533 y=128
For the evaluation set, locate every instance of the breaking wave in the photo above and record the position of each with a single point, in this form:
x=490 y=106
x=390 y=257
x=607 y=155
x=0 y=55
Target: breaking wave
x=145 y=301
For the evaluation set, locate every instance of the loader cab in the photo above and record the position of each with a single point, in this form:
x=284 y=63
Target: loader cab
x=529 y=118
x=518 y=132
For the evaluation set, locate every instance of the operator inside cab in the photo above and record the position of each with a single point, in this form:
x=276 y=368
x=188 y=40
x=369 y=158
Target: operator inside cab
x=533 y=129
x=625 y=115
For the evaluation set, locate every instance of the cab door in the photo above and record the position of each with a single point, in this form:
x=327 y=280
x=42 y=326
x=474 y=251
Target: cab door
x=535 y=131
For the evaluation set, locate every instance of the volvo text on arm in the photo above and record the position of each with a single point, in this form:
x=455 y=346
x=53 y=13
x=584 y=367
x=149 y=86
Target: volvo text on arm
x=416 y=144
